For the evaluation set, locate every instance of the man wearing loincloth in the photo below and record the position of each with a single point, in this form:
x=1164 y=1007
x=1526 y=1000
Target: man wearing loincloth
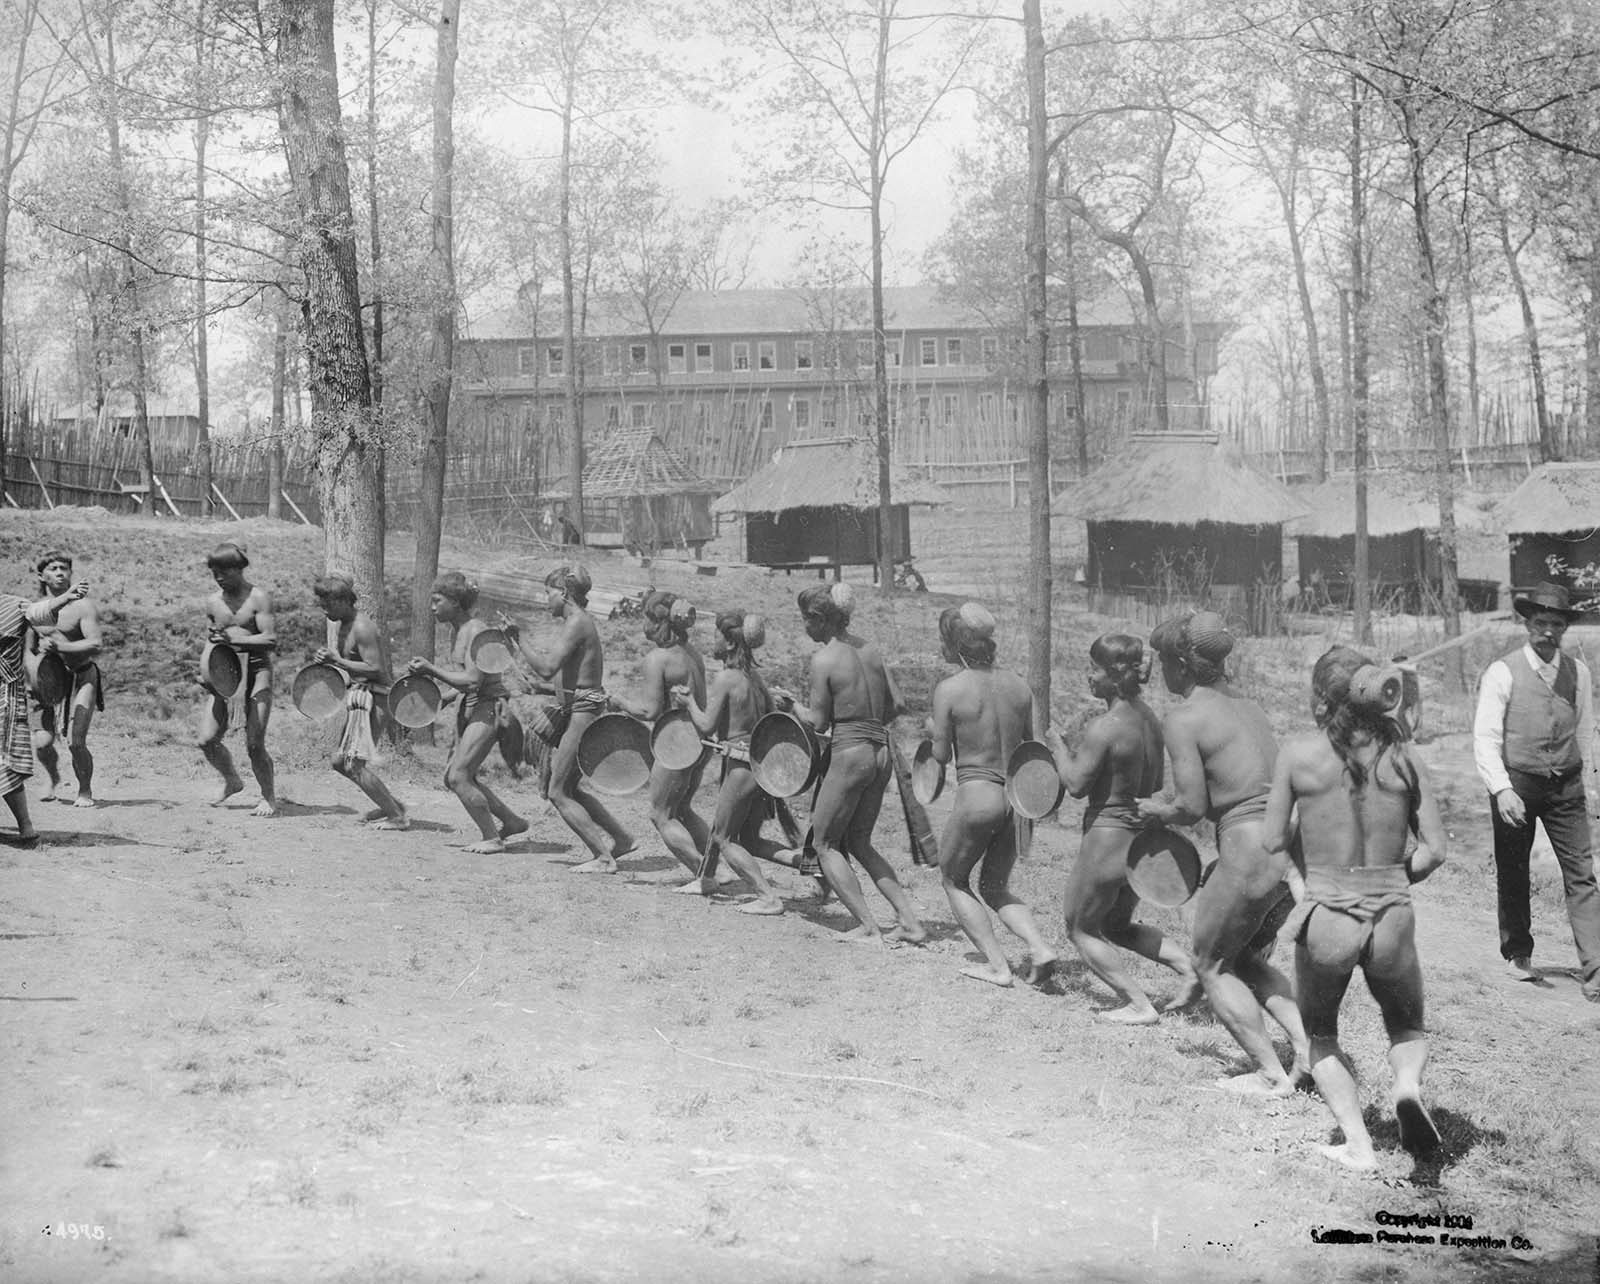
x=980 y=715
x=352 y=647
x=577 y=662
x=1222 y=751
x=1117 y=763
x=240 y=615
x=16 y=742
x=1359 y=791
x=482 y=700
x=75 y=637
x=672 y=662
x=852 y=693
x=735 y=701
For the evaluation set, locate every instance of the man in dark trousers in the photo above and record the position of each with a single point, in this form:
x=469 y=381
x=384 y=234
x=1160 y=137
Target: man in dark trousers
x=1533 y=741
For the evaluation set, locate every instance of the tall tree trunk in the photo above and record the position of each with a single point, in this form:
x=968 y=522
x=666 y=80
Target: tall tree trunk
x=569 y=305
x=1359 y=384
x=1549 y=442
x=1039 y=569
x=280 y=354
x=1470 y=308
x=1308 y=318
x=202 y=363
x=430 y=510
x=335 y=344
x=1075 y=344
x=379 y=607
x=1591 y=344
x=880 y=364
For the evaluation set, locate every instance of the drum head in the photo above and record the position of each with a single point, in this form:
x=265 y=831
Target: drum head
x=674 y=742
x=52 y=683
x=319 y=691
x=1032 y=782
x=221 y=669
x=783 y=754
x=414 y=701
x=491 y=651
x=1163 y=867
x=927 y=774
x=614 y=754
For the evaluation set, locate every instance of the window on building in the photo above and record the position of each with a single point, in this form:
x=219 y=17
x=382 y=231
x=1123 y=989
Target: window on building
x=1013 y=410
x=638 y=356
x=677 y=359
x=702 y=420
x=739 y=420
x=952 y=352
x=526 y=361
x=1052 y=352
x=767 y=356
x=613 y=359
x=924 y=411
x=802 y=354
x=830 y=352
x=702 y=357
x=952 y=405
x=1128 y=349
x=828 y=414
x=989 y=347
x=613 y=414
x=765 y=420
x=553 y=360
x=930 y=352
x=555 y=419
x=864 y=353
x=802 y=414
x=674 y=419
x=986 y=407
x=1124 y=400
x=741 y=356
x=639 y=414
x=891 y=353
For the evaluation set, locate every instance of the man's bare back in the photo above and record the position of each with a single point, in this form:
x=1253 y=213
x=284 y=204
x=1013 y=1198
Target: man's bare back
x=1234 y=741
x=849 y=683
x=989 y=712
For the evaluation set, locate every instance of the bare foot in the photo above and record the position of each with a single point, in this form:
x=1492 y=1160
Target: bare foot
x=230 y=785
x=599 y=865
x=1129 y=1014
x=915 y=934
x=983 y=972
x=767 y=908
x=862 y=935
x=53 y=794
x=1343 y=1155
x=726 y=878
x=1188 y=995
x=267 y=808
x=487 y=847
x=377 y=813
x=1417 y=1133
x=511 y=828
x=397 y=824
x=695 y=887
x=1255 y=1084
x=29 y=839
x=1041 y=968
x=1301 y=1077
x=83 y=800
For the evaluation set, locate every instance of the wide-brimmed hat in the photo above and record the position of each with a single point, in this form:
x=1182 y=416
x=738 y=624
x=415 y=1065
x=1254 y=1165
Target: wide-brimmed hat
x=1546 y=597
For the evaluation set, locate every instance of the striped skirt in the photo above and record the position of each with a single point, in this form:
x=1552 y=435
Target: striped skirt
x=16 y=741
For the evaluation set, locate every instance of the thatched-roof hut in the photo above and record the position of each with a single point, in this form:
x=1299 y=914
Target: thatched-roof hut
x=816 y=504
x=637 y=493
x=1180 y=519
x=1552 y=522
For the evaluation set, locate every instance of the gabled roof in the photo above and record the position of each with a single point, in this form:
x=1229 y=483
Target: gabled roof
x=1178 y=479
x=119 y=405
x=828 y=472
x=773 y=311
x=1554 y=498
x=634 y=461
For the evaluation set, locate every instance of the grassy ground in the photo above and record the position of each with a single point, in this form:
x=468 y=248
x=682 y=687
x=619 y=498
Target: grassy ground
x=296 y=1050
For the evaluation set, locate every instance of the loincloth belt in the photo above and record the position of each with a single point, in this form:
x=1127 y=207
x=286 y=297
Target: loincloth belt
x=860 y=731
x=1240 y=813
x=584 y=700
x=81 y=677
x=1112 y=813
x=1363 y=892
x=974 y=772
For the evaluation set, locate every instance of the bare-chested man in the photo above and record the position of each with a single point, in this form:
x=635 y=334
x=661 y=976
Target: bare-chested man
x=1117 y=763
x=672 y=662
x=352 y=647
x=980 y=715
x=482 y=701
x=577 y=663
x=240 y=615
x=1360 y=792
x=735 y=701
x=75 y=637
x=1222 y=751
x=853 y=694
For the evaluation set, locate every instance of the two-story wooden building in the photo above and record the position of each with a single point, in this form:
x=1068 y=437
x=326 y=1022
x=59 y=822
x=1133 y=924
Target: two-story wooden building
x=726 y=377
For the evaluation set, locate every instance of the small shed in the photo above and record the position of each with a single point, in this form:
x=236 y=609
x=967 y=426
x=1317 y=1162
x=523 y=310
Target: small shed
x=1179 y=520
x=1402 y=551
x=1552 y=524
x=638 y=494
x=816 y=505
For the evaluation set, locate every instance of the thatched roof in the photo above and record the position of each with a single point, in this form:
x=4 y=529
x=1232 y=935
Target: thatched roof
x=1395 y=505
x=634 y=462
x=1554 y=498
x=826 y=473
x=1178 y=479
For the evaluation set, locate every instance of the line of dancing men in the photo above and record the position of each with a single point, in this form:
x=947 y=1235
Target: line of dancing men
x=1325 y=819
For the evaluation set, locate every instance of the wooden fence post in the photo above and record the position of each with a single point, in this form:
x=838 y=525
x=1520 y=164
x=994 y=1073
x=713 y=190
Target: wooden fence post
x=161 y=486
x=290 y=501
x=43 y=489
x=217 y=491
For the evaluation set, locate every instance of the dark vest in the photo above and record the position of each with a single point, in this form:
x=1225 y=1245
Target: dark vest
x=1541 y=725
